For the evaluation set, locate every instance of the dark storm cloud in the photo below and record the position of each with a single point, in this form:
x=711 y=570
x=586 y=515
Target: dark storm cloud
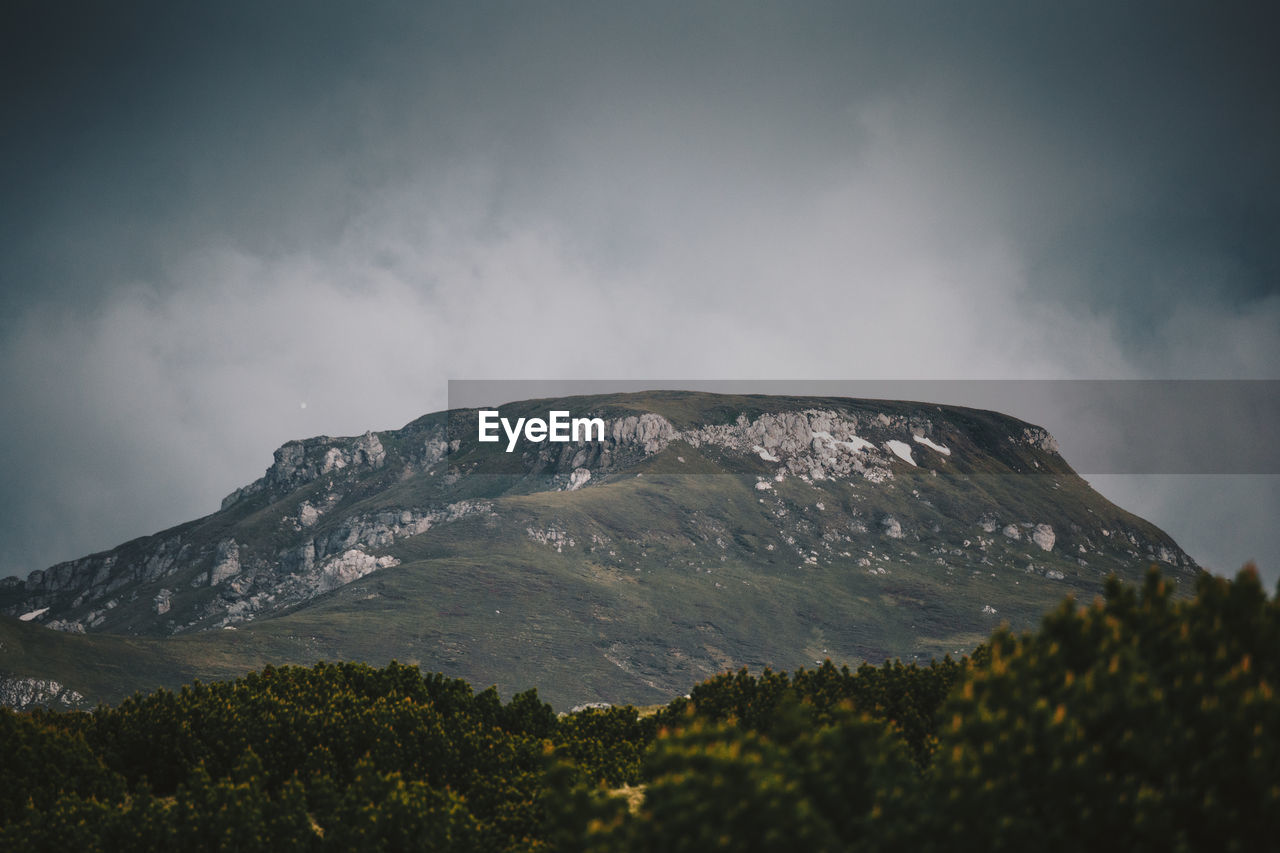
x=1128 y=149
x=213 y=213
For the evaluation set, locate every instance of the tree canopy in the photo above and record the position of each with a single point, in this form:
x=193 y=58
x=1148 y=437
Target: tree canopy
x=1139 y=720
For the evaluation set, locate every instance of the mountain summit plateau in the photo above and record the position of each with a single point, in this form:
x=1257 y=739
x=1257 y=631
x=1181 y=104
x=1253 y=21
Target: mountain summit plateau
x=703 y=532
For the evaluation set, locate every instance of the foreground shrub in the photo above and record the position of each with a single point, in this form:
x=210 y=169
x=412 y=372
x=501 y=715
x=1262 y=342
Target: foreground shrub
x=1142 y=722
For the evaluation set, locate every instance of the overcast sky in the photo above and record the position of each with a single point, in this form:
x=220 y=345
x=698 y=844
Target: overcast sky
x=226 y=225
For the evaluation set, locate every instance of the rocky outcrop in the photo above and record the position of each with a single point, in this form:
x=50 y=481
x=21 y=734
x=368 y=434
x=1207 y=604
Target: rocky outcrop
x=308 y=515
x=315 y=578
x=226 y=562
x=553 y=536
x=381 y=529
x=82 y=594
x=817 y=444
x=300 y=462
x=97 y=577
x=349 y=566
x=1040 y=438
x=329 y=559
x=650 y=432
x=243 y=492
x=627 y=440
x=23 y=693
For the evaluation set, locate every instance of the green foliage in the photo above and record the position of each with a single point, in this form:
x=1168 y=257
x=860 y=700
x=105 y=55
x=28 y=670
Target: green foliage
x=720 y=787
x=237 y=812
x=337 y=756
x=72 y=822
x=384 y=811
x=607 y=744
x=41 y=760
x=1142 y=720
x=906 y=696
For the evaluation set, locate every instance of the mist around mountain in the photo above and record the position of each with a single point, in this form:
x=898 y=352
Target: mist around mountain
x=703 y=534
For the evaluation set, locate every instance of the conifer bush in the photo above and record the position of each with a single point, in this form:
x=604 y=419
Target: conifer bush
x=1142 y=721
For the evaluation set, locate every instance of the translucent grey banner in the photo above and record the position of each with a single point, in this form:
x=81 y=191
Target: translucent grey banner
x=1226 y=427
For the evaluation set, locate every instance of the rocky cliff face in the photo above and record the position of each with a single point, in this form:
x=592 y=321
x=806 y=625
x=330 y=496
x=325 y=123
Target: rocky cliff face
x=300 y=462
x=863 y=484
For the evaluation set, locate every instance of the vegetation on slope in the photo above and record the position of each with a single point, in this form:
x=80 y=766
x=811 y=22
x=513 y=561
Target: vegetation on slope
x=1142 y=720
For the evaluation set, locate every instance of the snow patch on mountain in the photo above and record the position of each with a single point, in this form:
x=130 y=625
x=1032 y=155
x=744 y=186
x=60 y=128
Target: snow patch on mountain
x=901 y=450
x=921 y=439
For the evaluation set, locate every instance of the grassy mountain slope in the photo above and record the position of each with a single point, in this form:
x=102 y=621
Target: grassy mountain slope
x=682 y=556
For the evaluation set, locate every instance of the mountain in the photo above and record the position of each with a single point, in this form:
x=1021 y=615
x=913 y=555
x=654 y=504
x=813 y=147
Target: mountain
x=703 y=533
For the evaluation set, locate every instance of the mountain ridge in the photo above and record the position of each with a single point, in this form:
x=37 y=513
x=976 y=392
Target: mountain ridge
x=866 y=506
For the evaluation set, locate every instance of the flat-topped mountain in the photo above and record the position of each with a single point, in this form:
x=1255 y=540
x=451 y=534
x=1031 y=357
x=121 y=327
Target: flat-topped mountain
x=702 y=532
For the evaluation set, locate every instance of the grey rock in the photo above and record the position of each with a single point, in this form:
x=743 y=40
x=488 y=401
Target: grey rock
x=1038 y=437
x=308 y=515
x=1043 y=536
x=578 y=478
x=226 y=562
x=23 y=693
x=349 y=566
